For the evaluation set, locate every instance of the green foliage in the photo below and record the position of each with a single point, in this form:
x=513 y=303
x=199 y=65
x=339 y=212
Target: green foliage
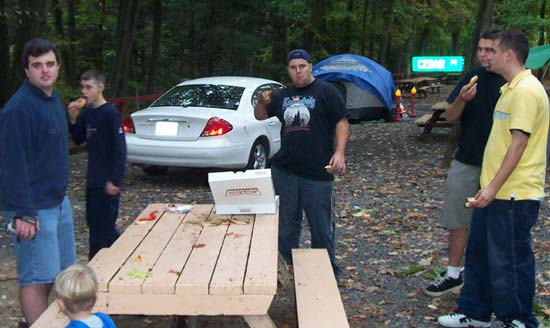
x=241 y=37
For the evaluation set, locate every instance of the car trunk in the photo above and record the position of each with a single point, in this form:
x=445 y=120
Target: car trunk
x=172 y=123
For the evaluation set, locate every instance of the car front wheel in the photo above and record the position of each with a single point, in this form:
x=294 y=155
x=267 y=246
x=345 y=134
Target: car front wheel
x=258 y=156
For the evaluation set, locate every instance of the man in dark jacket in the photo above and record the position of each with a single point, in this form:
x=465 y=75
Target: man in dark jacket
x=100 y=126
x=34 y=173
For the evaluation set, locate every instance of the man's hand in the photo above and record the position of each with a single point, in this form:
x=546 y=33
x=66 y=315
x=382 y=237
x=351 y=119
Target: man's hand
x=111 y=189
x=337 y=163
x=73 y=110
x=264 y=98
x=468 y=92
x=26 y=230
x=483 y=197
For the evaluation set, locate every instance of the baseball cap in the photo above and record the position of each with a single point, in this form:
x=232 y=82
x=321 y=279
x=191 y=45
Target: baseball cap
x=298 y=54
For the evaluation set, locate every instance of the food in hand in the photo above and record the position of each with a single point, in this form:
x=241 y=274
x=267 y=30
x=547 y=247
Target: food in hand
x=473 y=80
x=80 y=102
x=469 y=200
x=328 y=168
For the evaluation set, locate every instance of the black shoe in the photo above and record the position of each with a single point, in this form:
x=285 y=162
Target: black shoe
x=22 y=324
x=443 y=285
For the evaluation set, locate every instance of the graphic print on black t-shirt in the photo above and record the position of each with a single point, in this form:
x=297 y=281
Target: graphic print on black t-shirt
x=296 y=113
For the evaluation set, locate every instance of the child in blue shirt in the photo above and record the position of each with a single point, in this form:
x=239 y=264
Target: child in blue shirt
x=75 y=290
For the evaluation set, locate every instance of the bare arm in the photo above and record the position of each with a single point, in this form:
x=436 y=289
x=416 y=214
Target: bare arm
x=260 y=110
x=454 y=111
x=486 y=195
x=338 y=161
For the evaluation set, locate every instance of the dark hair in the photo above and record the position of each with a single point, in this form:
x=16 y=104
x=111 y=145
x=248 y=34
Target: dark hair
x=517 y=42
x=93 y=74
x=37 y=47
x=490 y=34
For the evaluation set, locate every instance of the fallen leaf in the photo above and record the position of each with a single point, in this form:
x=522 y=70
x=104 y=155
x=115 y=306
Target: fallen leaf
x=199 y=245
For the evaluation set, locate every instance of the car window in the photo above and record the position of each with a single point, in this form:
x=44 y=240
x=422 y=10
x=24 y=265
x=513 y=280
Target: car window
x=265 y=87
x=202 y=95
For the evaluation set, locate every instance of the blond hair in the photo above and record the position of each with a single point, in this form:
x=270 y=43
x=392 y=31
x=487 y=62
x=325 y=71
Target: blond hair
x=76 y=286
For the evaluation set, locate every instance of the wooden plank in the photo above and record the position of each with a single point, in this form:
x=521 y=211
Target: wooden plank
x=188 y=304
x=261 y=274
x=144 y=257
x=318 y=300
x=171 y=262
x=228 y=277
x=51 y=318
x=259 y=321
x=106 y=267
x=196 y=275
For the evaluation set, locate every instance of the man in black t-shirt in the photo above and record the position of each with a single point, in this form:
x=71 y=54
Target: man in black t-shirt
x=314 y=135
x=472 y=102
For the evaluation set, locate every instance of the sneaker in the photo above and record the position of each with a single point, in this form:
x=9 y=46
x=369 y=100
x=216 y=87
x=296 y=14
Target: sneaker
x=443 y=285
x=458 y=319
x=512 y=324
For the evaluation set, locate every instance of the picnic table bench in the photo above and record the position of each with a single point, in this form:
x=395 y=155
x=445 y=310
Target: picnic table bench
x=196 y=263
x=318 y=300
x=436 y=119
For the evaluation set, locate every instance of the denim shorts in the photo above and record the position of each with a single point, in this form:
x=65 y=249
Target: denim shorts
x=462 y=182
x=52 y=250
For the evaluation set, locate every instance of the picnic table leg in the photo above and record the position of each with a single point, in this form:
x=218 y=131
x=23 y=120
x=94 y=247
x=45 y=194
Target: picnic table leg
x=259 y=321
x=286 y=279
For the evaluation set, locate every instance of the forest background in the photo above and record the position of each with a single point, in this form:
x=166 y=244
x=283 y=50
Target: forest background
x=147 y=46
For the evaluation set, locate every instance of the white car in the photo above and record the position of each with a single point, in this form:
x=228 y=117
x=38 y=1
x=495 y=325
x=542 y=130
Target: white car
x=207 y=122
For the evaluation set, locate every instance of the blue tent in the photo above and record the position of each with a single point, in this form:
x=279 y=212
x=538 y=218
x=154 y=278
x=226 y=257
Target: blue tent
x=366 y=85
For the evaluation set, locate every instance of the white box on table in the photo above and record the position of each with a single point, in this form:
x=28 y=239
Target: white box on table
x=248 y=192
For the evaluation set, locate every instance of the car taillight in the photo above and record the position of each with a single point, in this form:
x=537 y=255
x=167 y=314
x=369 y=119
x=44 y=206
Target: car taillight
x=128 y=125
x=216 y=127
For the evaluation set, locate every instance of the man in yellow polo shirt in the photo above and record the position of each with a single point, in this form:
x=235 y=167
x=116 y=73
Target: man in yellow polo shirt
x=500 y=267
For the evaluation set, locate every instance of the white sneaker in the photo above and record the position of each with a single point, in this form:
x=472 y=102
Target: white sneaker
x=457 y=320
x=512 y=324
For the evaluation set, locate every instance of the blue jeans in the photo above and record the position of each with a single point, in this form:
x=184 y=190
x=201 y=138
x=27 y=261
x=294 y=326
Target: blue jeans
x=101 y=216
x=297 y=194
x=499 y=274
x=51 y=251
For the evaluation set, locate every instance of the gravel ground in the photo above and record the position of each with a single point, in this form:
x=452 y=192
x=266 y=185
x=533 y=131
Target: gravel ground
x=387 y=234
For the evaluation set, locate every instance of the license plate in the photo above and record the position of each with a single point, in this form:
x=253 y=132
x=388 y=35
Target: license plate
x=168 y=129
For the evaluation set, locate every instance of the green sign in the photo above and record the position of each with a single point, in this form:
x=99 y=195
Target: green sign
x=437 y=64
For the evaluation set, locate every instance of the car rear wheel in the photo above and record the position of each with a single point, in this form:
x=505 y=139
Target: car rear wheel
x=258 y=156
x=154 y=171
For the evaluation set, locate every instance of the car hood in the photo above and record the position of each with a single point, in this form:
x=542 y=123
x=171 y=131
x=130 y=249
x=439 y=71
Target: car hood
x=177 y=123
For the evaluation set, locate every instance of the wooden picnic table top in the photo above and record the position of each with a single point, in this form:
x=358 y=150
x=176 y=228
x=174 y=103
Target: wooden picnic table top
x=197 y=263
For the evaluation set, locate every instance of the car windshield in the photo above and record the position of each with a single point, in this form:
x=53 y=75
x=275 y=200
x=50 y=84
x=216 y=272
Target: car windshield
x=202 y=95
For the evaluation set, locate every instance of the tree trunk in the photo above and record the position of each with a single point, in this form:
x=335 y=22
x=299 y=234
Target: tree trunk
x=72 y=59
x=372 y=38
x=364 y=27
x=32 y=16
x=211 y=46
x=127 y=17
x=426 y=31
x=385 y=43
x=317 y=12
x=348 y=28
x=542 y=16
x=483 y=22
x=155 y=51
x=5 y=86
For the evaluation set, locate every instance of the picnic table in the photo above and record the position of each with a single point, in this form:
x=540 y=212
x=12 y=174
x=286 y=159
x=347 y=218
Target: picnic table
x=195 y=263
x=436 y=119
x=421 y=83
